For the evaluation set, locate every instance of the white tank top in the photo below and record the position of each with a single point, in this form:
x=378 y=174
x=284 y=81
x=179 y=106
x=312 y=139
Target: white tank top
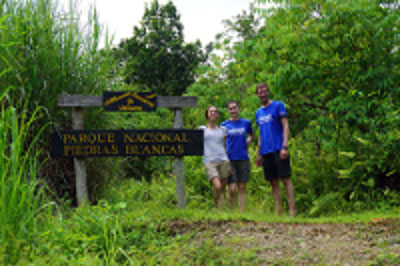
x=214 y=149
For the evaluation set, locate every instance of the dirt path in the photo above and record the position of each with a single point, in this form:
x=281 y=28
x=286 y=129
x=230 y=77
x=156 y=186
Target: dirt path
x=376 y=243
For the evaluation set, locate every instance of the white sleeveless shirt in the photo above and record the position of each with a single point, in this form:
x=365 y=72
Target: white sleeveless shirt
x=214 y=149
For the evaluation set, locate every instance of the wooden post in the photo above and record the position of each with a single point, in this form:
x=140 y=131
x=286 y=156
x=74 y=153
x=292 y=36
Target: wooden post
x=79 y=164
x=179 y=165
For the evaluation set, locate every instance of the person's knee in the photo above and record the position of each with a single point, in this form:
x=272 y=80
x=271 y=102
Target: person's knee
x=286 y=181
x=216 y=184
x=274 y=183
x=242 y=188
x=232 y=189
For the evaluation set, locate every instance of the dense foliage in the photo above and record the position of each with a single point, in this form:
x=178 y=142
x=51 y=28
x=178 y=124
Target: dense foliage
x=336 y=66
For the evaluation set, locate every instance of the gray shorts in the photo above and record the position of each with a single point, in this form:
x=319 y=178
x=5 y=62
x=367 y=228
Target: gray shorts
x=240 y=172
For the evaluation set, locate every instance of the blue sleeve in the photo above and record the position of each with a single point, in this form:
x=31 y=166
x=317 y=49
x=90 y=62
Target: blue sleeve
x=257 y=118
x=249 y=128
x=281 y=110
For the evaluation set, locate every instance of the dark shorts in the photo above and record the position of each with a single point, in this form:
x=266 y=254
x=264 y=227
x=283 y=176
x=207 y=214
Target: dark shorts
x=240 y=172
x=274 y=167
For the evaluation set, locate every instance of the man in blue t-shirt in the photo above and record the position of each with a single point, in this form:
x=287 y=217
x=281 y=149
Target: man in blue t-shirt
x=273 y=153
x=239 y=133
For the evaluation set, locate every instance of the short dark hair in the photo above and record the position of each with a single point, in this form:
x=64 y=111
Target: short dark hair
x=231 y=102
x=209 y=109
x=261 y=85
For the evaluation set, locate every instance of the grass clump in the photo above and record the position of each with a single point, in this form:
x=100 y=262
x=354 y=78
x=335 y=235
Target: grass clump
x=22 y=196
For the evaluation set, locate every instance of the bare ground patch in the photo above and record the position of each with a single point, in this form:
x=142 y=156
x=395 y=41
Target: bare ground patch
x=377 y=242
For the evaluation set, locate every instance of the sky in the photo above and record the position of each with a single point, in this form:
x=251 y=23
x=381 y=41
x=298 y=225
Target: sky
x=202 y=19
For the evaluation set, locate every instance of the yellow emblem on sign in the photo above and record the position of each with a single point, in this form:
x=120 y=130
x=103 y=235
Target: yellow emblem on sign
x=129 y=101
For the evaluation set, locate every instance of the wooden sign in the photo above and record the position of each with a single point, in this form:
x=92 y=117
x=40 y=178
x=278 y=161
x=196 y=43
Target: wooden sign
x=93 y=143
x=129 y=101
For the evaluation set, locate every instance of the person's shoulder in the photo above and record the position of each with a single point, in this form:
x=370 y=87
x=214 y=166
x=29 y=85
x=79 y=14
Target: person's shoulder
x=225 y=123
x=280 y=107
x=245 y=121
x=278 y=102
x=202 y=127
x=259 y=109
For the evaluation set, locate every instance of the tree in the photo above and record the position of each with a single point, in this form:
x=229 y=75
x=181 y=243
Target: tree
x=156 y=57
x=221 y=80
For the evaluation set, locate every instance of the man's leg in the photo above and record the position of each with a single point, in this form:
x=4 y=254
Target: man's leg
x=241 y=196
x=290 y=195
x=276 y=192
x=232 y=194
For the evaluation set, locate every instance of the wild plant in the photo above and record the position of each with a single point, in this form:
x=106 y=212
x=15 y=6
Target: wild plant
x=52 y=52
x=21 y=196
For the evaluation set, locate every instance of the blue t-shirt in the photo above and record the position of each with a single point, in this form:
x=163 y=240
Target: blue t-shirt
x=271 y=132
x=236 y=133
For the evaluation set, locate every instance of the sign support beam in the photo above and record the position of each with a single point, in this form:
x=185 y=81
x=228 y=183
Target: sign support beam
x=179 y=165
x=79 y=163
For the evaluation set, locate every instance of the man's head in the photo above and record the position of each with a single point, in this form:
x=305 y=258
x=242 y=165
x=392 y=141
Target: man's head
x=262 y=92
x=233 y=109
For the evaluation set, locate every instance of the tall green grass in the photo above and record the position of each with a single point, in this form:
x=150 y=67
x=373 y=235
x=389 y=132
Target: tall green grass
x=52 y=51
x=21 y=197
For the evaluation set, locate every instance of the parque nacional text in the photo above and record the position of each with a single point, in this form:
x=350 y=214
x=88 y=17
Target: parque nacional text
x=93 y=143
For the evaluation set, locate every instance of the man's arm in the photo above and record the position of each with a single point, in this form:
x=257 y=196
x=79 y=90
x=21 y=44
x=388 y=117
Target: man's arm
x=225 y=145
x=249 y=139
x=259 y=160
x=250 y=133
x=285 y=126
x=225 y=132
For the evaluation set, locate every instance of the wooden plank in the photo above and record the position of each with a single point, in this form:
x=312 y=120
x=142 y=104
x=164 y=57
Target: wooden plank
x=78 y=100
x=176 y=101
x=79 y=164
x=179 y=166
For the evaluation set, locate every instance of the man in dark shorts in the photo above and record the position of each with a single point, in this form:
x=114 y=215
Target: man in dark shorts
x=273 y=153
x=238 y=137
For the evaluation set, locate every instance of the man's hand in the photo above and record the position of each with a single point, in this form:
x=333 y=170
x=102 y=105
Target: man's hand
x=284 y=154
x=259 y=161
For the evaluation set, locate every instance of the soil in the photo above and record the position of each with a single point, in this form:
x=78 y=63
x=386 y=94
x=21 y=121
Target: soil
x=373 y=243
